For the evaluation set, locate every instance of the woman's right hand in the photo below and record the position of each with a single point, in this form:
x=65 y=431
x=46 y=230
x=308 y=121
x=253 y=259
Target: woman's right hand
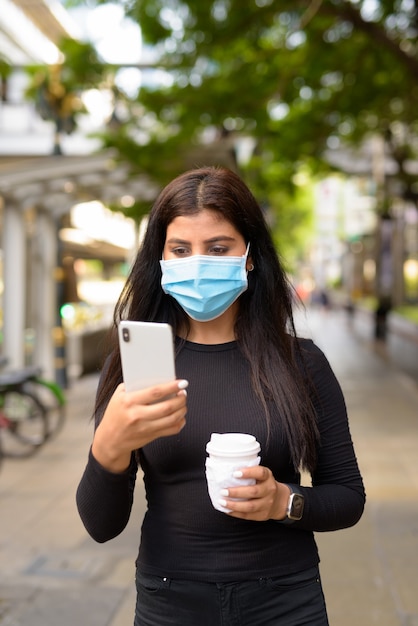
x=133 y=419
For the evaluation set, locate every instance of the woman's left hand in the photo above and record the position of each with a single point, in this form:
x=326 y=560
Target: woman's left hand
x=267 y=499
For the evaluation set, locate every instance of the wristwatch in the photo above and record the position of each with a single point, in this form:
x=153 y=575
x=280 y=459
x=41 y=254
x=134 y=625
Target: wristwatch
x=295 y=506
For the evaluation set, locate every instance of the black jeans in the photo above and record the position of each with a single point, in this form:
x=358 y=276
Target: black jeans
x=294 y=600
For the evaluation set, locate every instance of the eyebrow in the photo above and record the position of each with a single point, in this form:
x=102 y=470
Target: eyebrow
x=210 y=240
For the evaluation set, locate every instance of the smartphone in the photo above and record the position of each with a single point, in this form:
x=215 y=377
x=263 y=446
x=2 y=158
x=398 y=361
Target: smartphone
x=147 y=354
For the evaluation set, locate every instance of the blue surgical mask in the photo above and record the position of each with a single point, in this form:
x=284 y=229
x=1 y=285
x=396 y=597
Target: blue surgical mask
x=205 y=286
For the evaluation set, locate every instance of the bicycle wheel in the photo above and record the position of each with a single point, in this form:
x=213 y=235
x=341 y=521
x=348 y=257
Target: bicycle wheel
x=52 y=398
x=24 y=423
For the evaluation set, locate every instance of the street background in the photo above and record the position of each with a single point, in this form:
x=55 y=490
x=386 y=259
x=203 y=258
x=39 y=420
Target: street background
x=52 y=573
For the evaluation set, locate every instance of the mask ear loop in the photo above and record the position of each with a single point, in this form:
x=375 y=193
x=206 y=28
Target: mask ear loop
x=250 y=269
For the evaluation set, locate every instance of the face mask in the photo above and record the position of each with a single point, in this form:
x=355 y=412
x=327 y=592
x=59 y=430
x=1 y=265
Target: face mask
x=205 y=286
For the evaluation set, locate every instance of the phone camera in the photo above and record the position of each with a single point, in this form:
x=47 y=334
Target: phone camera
x=125 y=334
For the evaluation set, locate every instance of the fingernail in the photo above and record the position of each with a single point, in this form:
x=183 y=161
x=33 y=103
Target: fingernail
x=182 y=384
x=222 y=502
x=237 y=474
x=224 y=492
x=184 y=392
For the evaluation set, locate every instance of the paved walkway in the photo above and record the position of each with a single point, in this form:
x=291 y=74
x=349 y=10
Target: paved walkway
x=53 y=574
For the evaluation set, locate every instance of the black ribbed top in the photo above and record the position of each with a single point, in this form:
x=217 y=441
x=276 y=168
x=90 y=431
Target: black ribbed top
x=183 y=536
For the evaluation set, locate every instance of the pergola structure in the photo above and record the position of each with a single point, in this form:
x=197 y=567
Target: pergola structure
x=36 y=193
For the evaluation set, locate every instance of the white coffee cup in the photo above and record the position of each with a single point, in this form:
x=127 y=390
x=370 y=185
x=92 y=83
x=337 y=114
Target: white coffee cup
x=229 y=452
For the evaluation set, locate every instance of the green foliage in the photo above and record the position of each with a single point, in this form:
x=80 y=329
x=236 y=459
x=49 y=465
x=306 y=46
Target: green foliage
x=288 y=204
x=136 y=211
x=340 y=71
x=5 y=69
x=56 y=89
x=409 y=312
x=300 y=78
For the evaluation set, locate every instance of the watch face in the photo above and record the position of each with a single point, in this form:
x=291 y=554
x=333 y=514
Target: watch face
x=296 y=506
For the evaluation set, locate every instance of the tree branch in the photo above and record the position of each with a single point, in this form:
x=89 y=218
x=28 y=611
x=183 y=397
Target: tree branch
x=347 y=11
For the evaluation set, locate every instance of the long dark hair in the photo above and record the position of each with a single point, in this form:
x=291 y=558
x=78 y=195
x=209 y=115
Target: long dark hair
x=265 y=330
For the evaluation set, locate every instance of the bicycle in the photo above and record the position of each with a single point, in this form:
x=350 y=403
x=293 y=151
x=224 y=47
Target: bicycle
x=23 y=418
x=52 y=397
x=32 y=410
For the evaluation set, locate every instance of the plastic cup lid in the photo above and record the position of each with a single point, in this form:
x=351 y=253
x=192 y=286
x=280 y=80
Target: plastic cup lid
x=232 y=444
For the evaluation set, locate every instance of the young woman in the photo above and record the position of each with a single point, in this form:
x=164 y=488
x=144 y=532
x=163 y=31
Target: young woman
x=208 y=267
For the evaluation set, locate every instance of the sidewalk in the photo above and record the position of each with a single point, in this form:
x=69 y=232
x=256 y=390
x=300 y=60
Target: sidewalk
x=370 y=571
x=53 y=574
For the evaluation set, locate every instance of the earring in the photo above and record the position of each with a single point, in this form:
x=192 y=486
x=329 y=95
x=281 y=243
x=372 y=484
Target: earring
x=250 y=269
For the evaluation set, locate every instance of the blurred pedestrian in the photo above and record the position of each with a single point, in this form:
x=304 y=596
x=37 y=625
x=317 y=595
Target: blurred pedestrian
x=381 y=315
x=324 y=299
x=208 y=267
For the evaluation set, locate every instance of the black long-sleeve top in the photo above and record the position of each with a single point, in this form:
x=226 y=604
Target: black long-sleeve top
x=183 y=536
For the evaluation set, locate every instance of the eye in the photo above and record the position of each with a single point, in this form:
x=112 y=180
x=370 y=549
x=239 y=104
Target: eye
x=180 y=251
x=217 y=249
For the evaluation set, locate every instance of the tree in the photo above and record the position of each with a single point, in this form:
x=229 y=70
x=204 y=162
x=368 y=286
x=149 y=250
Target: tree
x=300 y=78
x=5 y=71
x=293 y=74
x=56 y=89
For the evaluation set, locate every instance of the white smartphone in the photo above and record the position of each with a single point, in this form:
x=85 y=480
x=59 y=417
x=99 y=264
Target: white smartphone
x=147 y=354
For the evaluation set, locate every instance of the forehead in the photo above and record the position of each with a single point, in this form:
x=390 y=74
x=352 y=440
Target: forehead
x=201 y=222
